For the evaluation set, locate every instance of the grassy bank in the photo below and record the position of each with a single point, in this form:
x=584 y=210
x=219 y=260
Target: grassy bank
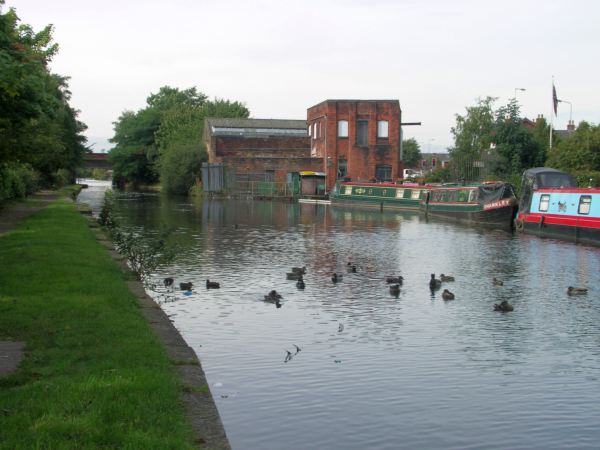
x=94 y=375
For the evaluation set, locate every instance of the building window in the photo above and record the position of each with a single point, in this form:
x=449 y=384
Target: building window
x=343 y=128
x=585 y=203
x=310 y=130
x=320 y=130
x=314 y=130
x=382 y=129
x=383 y=173
x=362 y=132
x=342 y=169
x=544 y=202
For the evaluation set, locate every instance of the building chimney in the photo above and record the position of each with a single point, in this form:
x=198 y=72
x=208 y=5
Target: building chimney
x=571 y=126
x=539 y=118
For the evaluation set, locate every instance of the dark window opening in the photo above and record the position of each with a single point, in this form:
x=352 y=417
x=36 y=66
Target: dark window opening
x=383 y=173
x=342 y=169
x=362 y=132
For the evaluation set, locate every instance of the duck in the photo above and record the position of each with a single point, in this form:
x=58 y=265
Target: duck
x=395 y=290
x=168 y=282
x=274 y=297
x=497 y=282
x=212 y=285
x=335 y=277
x=434 y=283
x=503 y=306
x=395 y=280
x=186 y=286
x=447 y=295
x=293 y=275
x=446 y=278
x=300 y=270
x=576 y=291
x=300 y=283
x=351 y=268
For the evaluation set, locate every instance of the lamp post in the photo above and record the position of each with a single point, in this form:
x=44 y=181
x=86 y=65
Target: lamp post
x=518 y=89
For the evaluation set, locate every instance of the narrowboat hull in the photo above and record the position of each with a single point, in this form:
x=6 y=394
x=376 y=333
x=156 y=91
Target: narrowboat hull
x=378 y=195
x=475 y=214
x=554 y=226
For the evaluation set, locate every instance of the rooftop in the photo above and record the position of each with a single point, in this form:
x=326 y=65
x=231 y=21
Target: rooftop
x=255 y=127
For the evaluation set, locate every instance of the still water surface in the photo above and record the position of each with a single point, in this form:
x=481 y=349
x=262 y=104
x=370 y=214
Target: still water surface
x=413 y=372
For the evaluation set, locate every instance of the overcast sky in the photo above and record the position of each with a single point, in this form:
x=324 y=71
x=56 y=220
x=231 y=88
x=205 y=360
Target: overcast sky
x=280 y=57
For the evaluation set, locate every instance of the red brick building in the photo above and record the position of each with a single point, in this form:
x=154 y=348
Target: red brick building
x=359 y=139
x=270 y=147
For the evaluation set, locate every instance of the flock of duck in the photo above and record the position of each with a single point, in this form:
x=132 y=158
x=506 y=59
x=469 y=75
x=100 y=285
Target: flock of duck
x=394 y=282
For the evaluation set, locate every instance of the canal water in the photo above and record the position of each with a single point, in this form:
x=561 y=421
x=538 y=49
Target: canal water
x=367 y=370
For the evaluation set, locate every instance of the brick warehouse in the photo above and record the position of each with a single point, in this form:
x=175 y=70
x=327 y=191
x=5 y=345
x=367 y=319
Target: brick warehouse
x=356 y=139
x=260 y=146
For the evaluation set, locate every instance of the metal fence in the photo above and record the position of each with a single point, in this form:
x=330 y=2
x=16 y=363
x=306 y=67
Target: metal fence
x=270 y=189
x=474 y=168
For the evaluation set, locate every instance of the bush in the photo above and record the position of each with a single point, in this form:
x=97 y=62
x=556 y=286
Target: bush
x=17 y=181
x=180 y=166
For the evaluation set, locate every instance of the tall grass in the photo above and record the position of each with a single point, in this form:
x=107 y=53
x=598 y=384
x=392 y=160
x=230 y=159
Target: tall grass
x=94 y=375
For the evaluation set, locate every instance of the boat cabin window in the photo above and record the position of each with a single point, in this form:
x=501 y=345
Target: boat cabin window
x=473 y=195
x=585 y=202
x=399 y=193
x=415 y=194
x=347 y=190
x=544 y=202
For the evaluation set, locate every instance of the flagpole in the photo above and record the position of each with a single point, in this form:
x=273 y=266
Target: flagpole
x=551 y=112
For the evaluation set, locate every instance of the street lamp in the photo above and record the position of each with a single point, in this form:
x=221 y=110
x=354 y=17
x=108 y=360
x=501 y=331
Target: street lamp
x=518 y=89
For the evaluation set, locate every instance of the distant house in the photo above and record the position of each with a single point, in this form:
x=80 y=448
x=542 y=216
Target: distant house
x=267 y=148
x=430 y=161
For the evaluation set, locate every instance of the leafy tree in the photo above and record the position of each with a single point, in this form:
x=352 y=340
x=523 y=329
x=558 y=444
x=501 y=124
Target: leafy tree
x=180 y=145
x=515 y=145
x=580 y=152
x=411 y=152
x=474 y=131
x=38 y=127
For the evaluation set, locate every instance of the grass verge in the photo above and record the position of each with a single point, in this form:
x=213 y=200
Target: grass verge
x=94 y=374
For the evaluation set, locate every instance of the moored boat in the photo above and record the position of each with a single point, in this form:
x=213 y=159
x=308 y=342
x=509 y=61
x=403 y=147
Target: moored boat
x=490 y=204
x=553 y=206
x=379 y=195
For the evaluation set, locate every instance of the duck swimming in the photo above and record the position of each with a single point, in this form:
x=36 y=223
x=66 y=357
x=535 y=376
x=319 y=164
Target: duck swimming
x=293 y=275
x=212 y=285
x=445 y=278
x=335 y=277
x=395 y=280
x=447 y=295
x=300 y=283
x=300 y=270
x=186 y=286
x=168 y=282
x=576 y=291
x=395 y=290
x=503 y=306
x=351 y=268
x=497 y=282
x=434 y=283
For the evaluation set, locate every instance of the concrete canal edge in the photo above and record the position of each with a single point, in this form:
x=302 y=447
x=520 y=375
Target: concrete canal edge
x=201 y=410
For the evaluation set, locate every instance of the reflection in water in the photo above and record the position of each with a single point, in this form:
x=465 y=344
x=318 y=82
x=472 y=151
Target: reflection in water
x=376 y=370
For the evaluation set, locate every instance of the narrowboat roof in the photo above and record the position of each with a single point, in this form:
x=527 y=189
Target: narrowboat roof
x=570 y=190
x=548 y=177
x=386 y=185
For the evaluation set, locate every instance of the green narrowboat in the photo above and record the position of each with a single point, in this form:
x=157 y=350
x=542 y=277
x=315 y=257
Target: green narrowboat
x=492 y=204
x=379 y=195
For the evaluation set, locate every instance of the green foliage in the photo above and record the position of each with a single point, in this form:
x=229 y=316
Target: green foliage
x=474 y=131
x=37 y=125
x=439 y=175
x=578 y=153
x=516 y=145
x=411 y=152
x=181 y=166
x=17 y=181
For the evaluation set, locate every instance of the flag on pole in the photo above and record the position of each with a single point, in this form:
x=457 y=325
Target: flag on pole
x=554 y=99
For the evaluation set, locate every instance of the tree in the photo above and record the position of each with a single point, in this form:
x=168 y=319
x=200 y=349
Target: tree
x=38 y=127
x=580 y=152
x=515 y=145
x=179 y=141
x=474 y=131
x=411 y=152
